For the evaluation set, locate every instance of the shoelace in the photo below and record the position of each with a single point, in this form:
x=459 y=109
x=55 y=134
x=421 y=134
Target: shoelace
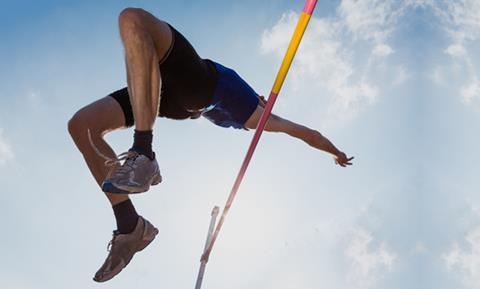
x=112 y=162
x=129 y=157
x=111 y=243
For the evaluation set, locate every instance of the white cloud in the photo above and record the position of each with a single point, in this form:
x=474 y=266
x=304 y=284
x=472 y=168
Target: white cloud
x=277 y=36
x=328 y=63
x=461 y=20
x=370 y=19
x=355 y=258
x=466 y=262
x=470 y=91
x=382 y=50
x=6 y=152
x=419 y=3
x=322 y=62
x=456 y=50
x=366 y=263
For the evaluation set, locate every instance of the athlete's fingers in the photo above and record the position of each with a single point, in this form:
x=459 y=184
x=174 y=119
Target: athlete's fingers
x=343 y=163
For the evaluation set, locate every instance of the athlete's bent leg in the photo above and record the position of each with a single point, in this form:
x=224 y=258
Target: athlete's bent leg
x=100 y=117
x=133 y=233
x=146 y=40
x=312 y=137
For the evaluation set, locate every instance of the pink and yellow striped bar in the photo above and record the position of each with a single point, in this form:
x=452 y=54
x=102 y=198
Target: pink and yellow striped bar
x=282 y=73
x=293 y=46
x=309 y=6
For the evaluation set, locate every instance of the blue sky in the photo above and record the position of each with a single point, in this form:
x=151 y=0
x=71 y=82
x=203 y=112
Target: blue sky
x=394 y=83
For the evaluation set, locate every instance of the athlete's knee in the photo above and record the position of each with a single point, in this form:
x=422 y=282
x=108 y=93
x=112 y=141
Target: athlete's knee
x=75 y=125
x=131 y=18
x=80 y=124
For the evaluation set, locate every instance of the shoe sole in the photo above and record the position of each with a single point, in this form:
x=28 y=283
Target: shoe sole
x=109 y=187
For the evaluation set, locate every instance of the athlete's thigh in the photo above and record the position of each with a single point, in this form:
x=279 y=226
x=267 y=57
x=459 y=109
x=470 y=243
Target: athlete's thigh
x=101 y=116
x=158 y=29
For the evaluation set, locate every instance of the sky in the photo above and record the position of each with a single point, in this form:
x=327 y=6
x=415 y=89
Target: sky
x=395 y=83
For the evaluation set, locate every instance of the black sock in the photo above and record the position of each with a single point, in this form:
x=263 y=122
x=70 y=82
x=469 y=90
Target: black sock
x=126 y=217
x=142 y=143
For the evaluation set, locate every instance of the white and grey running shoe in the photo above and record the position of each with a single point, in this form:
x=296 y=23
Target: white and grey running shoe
x=122 y=247
x=134 y=176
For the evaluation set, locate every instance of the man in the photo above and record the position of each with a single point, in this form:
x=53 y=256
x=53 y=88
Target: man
x=165 y=78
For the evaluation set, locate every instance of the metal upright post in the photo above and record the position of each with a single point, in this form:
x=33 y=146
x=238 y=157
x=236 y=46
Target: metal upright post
x=203 y=263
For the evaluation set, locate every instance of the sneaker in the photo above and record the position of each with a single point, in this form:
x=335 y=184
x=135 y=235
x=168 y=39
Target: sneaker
x=136 y=175
x=122 y=247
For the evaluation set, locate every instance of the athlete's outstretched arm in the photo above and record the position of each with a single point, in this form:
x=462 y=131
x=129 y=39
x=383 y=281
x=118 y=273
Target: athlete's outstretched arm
x=308 y=135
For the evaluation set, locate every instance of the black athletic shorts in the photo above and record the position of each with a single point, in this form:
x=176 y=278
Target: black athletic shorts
x=188 y=83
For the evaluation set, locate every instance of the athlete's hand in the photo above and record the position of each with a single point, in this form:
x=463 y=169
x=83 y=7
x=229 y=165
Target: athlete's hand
x=342 y=160
x=263 y=101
